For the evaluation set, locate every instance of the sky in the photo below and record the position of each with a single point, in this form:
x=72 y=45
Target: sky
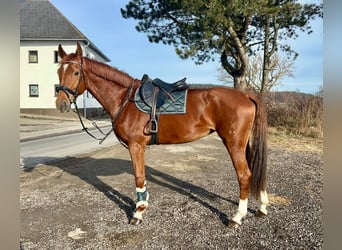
x=130 y=51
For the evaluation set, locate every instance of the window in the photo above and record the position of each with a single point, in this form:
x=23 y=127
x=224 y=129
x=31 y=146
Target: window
x=56 y=57
x=33 y=56
x=34 y=90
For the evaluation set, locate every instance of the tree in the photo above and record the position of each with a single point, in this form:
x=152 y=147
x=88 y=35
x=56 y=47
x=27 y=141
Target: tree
x=276 y=67
x=232 y=29
x=279 y=67
x=319 y=93
x=280 y=20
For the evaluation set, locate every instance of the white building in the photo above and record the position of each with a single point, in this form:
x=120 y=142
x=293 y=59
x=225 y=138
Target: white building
x=42 y=29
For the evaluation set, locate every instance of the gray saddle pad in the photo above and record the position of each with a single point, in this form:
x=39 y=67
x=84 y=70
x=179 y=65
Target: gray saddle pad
x=169 y=107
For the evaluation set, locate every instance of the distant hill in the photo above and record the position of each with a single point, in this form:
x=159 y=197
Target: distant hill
x=290 y=98
x=285 y=96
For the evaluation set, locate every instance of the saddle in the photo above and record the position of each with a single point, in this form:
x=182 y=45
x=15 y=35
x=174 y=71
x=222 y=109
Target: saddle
x=154 y=93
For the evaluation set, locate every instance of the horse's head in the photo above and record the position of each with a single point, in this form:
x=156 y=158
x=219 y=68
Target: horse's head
x=71 y=78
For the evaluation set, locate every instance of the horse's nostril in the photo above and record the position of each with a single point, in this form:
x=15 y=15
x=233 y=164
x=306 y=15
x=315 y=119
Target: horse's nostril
x=63 y=106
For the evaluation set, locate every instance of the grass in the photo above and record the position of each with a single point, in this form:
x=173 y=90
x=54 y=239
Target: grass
x=281 y=138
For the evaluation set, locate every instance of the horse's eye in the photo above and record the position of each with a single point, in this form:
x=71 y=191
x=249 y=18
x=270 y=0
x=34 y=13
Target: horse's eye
x=76 y=73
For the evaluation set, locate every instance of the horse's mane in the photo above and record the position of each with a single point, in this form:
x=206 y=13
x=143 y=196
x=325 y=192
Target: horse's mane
x=103 y=71
x=108 y=72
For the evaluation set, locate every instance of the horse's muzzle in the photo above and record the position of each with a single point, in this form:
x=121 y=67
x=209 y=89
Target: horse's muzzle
x=63 y=106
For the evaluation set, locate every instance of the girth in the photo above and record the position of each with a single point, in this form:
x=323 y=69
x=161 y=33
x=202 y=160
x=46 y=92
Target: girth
x=154 y=93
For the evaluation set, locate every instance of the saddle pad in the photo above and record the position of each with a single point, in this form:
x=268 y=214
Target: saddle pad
x=169 y=107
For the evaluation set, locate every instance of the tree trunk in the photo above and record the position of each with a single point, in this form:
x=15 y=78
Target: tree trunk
x=237 y=64
x=240 y=82
x=270 y=47
x=238 y=70
x=266 y=64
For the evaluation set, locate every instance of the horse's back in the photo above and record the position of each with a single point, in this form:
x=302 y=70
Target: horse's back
x=220 y=97
x=207 y=110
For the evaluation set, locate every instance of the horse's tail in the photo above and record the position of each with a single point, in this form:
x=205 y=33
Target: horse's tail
x=256 y=152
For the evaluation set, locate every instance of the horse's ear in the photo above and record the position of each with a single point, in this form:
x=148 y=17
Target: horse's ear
x=79 y=50
x=61 y=51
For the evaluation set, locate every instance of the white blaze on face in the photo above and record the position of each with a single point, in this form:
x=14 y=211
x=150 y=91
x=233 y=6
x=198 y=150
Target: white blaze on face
x=65 y=66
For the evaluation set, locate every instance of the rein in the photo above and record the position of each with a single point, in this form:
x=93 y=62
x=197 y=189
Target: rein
x=74 y=93
x=84 y=128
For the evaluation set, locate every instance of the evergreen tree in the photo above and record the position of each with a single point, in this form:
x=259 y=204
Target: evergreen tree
x=232 y=29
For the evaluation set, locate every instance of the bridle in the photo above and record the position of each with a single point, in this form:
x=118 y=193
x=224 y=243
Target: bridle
x=74 y=93
x=67 y=90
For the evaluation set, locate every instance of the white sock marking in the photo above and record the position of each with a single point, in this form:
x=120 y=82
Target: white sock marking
x=242 y=211
x=263 y=202
x=140 y=190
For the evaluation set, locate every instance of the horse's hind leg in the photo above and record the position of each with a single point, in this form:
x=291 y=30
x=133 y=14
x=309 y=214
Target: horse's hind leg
x=236 y=144
x=263 y=203
x=238 y=156
x=244 y=176
x=138 y=158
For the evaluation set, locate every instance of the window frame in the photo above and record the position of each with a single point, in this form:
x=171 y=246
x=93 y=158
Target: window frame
x=31 y=57
x=55 y=88
x=56 y=56
x=31 y=93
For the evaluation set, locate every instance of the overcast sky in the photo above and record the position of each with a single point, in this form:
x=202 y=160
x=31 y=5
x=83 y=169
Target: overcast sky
x=130 y=51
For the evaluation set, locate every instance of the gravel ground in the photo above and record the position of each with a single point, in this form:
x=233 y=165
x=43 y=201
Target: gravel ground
x=86 y=202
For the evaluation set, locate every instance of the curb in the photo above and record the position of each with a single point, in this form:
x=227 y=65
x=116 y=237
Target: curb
x=48 y=117
x=37 y=137
x=73 y=131
x=50 y=132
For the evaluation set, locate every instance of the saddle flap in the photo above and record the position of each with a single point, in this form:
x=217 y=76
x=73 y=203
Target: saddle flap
x=146 y=91
x=149 y=86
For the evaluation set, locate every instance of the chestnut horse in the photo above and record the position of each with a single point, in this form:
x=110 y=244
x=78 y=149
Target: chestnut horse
x=238 y=118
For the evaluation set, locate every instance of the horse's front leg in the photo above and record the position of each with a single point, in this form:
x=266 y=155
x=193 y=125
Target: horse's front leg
x=137 y=153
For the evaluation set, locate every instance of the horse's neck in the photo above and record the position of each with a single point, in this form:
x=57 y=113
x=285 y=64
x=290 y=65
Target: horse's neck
x=107 y=93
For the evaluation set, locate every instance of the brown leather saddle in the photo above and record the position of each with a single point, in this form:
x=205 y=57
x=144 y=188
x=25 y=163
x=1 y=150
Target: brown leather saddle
x=154 y=93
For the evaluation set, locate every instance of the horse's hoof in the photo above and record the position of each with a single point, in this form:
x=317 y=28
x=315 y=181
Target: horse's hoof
x=135 y=221
x=260 y=214
x=232 y=224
